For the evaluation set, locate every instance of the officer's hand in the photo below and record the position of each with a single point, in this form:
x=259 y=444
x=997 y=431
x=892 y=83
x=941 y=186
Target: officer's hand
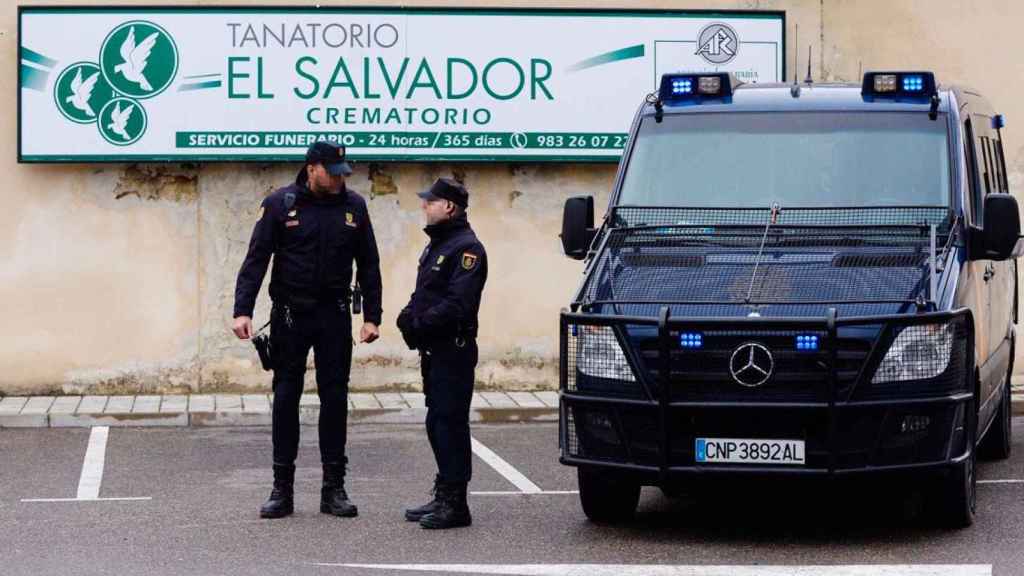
x=243 y=327
x=369 y=332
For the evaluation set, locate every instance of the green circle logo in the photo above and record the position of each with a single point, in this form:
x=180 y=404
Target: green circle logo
x=81 y=92
x=139 y=59
x=122 y=121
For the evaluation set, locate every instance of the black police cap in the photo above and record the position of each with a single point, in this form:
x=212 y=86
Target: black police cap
x=447 y=189
x=332 y=156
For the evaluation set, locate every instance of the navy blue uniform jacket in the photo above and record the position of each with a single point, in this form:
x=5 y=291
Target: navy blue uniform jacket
x=449 y=282
x=313 y=244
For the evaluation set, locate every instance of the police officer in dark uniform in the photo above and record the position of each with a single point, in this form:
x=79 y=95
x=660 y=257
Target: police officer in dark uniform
x=441 y=322
x=314 y=228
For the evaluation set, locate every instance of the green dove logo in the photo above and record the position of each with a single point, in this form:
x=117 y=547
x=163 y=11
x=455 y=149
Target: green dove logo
x=122 y=121
x=81 y=91
x=139 y=59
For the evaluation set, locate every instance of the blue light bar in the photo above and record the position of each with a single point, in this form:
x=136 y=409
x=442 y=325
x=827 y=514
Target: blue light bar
x=898 y=85
x=694 y=87
x=913 y=83
x=691 y=340
x=806 y=342
x=682 y=86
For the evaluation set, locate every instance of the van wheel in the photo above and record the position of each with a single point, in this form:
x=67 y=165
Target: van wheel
x=996 y=444
x=956 y=499
x=607 y=496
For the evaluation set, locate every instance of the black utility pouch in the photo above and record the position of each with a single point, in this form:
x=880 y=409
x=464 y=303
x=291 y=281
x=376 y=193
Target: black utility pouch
x=261 y=340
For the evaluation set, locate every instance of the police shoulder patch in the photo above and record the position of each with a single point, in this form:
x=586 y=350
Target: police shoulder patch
x=468 y=260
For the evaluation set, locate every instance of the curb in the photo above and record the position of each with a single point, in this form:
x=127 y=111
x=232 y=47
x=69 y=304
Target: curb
x=307 y=417
x=232 y=410
x=199 y=411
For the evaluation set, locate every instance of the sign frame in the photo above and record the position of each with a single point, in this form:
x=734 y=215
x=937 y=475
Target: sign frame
x=23 y=158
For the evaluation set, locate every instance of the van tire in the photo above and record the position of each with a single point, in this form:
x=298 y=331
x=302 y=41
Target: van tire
x=955 y=501
x=997 y=442
x=607 y=496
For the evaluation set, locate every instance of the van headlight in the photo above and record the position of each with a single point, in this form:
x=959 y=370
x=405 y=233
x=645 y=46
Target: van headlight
x=599 y=355
x=918 y=353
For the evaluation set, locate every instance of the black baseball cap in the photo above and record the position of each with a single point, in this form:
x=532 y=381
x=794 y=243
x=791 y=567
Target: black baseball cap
x=447 y=189
x=331 y=155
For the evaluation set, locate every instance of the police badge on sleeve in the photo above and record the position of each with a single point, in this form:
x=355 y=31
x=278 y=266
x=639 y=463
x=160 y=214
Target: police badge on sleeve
x=468 y=260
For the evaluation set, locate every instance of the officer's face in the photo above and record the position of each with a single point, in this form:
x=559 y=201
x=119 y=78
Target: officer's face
x=322 y=181
x=437 y=211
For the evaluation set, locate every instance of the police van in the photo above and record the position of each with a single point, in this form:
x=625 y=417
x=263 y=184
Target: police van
x=813 y=280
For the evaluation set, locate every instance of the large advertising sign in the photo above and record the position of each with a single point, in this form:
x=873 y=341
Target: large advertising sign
x=207 y=84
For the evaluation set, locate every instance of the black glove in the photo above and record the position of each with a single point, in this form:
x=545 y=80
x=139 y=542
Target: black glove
x=407 y=326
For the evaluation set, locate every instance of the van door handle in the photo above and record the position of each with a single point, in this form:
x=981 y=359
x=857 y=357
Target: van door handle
x=990 y=271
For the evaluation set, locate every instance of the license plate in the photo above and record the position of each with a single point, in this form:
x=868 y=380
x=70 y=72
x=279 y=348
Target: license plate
x=749 y=451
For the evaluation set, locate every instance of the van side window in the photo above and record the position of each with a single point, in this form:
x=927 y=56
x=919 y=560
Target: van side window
x=986 y=165
x=970 y=151
x=1004 y=185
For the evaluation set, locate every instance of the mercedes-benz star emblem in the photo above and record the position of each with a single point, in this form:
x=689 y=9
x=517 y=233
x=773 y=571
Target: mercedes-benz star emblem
x=751 y=364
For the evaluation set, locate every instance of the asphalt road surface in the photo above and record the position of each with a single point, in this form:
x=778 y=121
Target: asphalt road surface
x=185 y=501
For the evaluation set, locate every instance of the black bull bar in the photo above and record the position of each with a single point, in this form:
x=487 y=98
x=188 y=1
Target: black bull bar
x=655 y=388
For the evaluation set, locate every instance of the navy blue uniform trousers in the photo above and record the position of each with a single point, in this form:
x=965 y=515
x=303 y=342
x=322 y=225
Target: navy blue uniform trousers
x=448 y=373
x=327 y=329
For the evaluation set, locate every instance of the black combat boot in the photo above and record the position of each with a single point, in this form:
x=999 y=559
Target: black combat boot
x=281 y=502
x=452 y=509
x=333 y=498
x=414 y=514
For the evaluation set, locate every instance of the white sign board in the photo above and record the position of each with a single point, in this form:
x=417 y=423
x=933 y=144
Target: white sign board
x=205 y=84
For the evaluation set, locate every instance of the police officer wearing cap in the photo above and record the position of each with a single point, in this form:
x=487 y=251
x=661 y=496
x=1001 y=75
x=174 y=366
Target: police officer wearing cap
x=441 y=322
x=315 y=229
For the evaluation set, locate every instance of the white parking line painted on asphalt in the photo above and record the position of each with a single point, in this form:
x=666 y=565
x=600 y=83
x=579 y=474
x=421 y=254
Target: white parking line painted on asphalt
x=516 y=493
x=92 y=472
x=126 y=499
x=504 y=468
x=663 y=570
x=92 y=467
x=1007 y=481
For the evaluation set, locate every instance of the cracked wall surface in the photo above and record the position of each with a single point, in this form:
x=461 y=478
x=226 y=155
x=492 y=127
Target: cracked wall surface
x=120 y=277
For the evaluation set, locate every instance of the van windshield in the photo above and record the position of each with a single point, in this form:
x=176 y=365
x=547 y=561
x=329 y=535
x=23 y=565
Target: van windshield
x=795 y=159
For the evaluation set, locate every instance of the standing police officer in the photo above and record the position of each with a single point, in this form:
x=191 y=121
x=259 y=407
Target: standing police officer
x=441 y=321
x=314 y=228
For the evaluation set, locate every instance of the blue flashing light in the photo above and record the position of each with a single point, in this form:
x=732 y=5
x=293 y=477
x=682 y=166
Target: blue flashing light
x=913 y=83
x=806 y=342
x=896 y=85
x=691 y=340
x=695 y=87
x=682 y=86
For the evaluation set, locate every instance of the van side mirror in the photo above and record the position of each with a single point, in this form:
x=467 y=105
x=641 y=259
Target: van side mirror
x=1000 y=237
x=578 y=226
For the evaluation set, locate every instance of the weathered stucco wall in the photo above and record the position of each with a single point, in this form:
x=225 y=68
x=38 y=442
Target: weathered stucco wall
x=121 y=277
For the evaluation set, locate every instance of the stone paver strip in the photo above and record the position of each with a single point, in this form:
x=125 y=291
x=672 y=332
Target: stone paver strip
x=228 y=402
x=174 y=403
x=37 y=405
x=119 y=405
x=309 y=400
x=146 y=405
x=65 y=404
x=255 y=403
x=92 y=405
x=526 y=400
x=550 y=399
x=415 y=399
x=12 y=404
x=498 y=399
x=200 y=403
x=479 y=401
x=364 y=401
x=391 y=400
